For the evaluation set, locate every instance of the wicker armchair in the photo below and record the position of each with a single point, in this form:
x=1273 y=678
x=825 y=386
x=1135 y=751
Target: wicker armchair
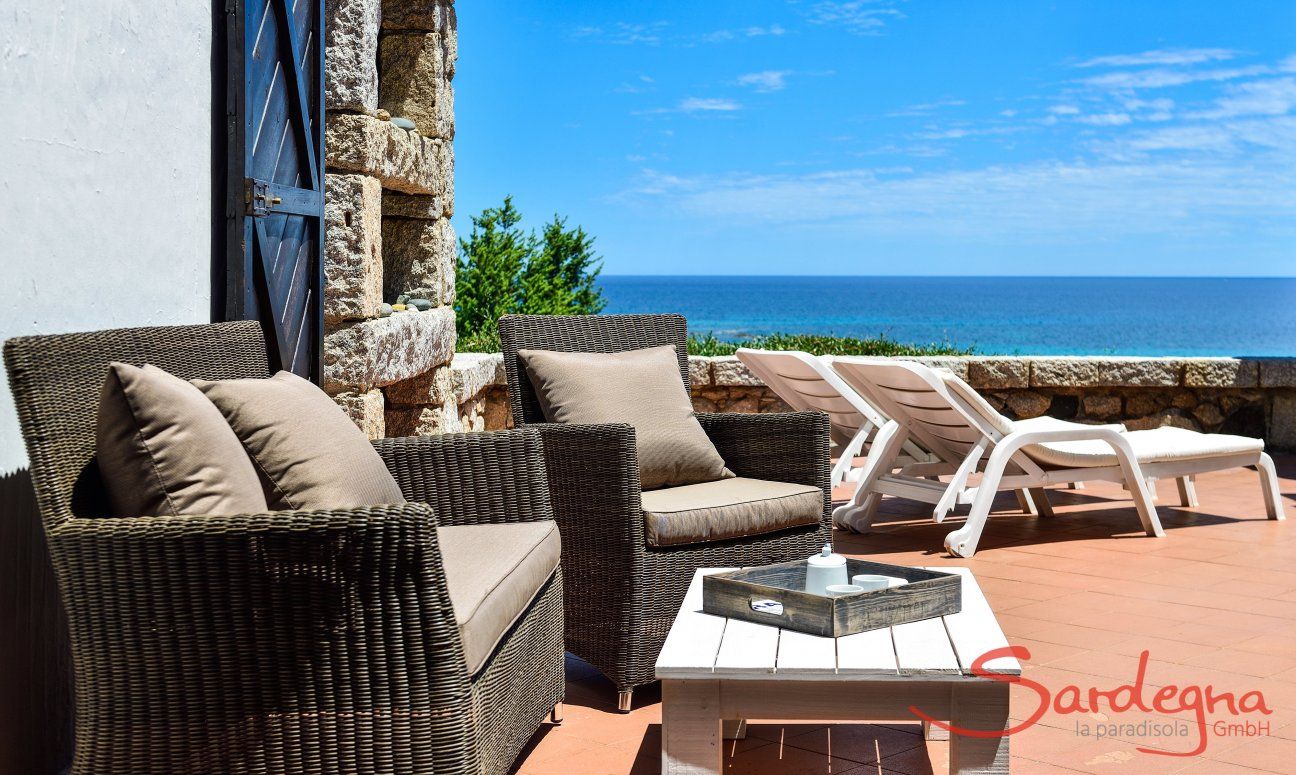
x=286 y=642
x=622 y=595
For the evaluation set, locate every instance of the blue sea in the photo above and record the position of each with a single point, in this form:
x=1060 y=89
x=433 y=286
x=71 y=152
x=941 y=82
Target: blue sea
x=995 y=315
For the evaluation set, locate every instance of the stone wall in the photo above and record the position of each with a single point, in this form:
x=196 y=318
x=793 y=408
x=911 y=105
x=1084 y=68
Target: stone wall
x=1220 y=395
x=389 y=253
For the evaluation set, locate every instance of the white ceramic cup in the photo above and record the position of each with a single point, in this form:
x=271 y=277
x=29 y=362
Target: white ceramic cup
x=870 y=581
x=837 y=590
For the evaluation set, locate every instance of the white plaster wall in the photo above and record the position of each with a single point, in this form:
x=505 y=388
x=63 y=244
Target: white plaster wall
x=105 y=179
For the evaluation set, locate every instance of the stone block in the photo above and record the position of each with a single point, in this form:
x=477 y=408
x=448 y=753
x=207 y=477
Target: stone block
x=420 y=15
x=1209 y=415
x=1024 y=404
x=366 y=410
x=426 y=208
x=959 y=366
x=351 y=54
x=431 y=387
x=1084 y=371
x=419 y=259
x=998 y=373
x=402 y=159
x=380 y=352
x=728 y=371
x=699 y=371
x=1221 y=372
x=1102 y=407
x=353 y=263
x=1168 y=418
x=473 y=374
x=1278 y=372
x=415 y=82
x=423 y=420
x=1282 y=423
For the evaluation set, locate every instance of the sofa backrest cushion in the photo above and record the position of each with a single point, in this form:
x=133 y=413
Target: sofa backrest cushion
x=164 y=449
x=640 y=387
x=307 y=451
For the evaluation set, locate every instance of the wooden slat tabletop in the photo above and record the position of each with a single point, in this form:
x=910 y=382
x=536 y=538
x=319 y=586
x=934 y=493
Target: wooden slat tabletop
x=704 y=646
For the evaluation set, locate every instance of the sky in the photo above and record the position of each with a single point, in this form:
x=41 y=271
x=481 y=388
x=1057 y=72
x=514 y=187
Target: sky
x=849 y=137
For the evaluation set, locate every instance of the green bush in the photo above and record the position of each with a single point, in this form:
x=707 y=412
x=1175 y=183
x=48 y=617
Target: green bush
x=819 y=344
x=503 y=269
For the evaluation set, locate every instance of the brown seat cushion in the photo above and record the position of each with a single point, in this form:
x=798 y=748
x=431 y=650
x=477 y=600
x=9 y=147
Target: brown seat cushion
x=729 y=508
x=639 y=387
x=308 y=452
x=493 y=572
x=163 y=449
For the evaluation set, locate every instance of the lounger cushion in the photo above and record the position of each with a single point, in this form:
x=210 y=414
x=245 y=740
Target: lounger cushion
x=640 y=387
x=309 y=453
x=1160 y=445
x=728 y=508
x=493 y=572
x=163 y=449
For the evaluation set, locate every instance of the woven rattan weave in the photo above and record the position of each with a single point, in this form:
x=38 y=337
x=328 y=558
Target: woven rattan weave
x=286 y=642
x=622 y=595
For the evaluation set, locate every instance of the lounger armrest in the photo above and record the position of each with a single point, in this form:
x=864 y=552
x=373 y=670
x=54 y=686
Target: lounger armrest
x=473 y=478
x=782 y=446
x=594 y=487
x=308 y=615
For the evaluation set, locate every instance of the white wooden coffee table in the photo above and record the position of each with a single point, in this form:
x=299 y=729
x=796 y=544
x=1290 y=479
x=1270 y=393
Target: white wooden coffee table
x=714 y=669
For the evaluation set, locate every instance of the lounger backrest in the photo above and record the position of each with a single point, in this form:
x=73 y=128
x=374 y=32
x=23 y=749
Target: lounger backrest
x=805 y=382
x=938 y=414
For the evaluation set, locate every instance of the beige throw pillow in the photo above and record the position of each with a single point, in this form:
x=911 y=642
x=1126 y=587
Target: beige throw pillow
x=309 y=453
x=639 y=387
x=163 y=449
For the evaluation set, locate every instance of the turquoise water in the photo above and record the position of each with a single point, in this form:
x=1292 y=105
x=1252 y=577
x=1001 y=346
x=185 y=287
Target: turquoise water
x=996 y=315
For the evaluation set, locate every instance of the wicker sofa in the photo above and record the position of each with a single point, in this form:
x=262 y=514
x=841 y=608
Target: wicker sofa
x=286 y=642
x=623 y=594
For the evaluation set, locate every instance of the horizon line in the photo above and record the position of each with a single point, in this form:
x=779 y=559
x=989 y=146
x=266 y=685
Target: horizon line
x=971 y=276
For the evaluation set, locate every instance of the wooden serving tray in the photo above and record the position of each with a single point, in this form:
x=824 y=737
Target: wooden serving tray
x=927 y=594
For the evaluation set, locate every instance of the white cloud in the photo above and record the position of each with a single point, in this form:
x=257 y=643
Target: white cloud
x=765 y=80
x=756 y=32
x=1105 y=119
x=1220 y=139
x=1164 y=56
x=861 y=17
x=1161 y=78
x=926 y=108
x=1063 y=110
x=707 y=104
x=1036 y=201
x=1273 y=97
x=624 y=33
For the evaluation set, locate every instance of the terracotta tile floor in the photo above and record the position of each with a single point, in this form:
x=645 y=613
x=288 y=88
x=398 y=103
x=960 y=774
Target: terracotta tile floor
x=1214 y=602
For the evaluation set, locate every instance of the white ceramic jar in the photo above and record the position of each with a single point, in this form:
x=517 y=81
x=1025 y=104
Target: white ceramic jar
x=824 y=570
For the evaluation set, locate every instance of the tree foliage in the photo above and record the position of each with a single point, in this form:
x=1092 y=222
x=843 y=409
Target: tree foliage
x=505 y=269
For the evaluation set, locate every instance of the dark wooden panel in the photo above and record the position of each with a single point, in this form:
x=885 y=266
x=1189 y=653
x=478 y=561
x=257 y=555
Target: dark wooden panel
x=274 y=261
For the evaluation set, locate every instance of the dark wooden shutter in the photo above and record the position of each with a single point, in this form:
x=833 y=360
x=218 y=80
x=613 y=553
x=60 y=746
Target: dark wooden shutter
x=274 y=268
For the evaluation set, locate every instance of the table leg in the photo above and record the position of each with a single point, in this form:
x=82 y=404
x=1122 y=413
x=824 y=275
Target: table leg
x=934 y=733
x=983 y=706
x=691 y=727
x=734 y=729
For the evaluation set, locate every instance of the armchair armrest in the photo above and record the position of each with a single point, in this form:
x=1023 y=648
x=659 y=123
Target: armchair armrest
x=594 y=485
x=783 y=446
x=473 y=478
x=324 y=620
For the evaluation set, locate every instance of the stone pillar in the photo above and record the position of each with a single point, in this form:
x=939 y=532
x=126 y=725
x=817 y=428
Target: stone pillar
x=388 y=201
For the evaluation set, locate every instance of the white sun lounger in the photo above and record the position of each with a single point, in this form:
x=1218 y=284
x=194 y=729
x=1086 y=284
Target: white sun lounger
x=946 y=416
x=806 y=383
